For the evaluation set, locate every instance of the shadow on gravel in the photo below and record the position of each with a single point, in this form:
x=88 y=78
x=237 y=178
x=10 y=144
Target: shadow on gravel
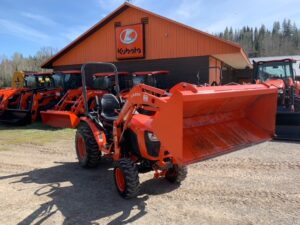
x=84 y=196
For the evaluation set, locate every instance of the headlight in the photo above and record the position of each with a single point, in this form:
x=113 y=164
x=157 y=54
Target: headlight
x=152 y=144
x=152 y=137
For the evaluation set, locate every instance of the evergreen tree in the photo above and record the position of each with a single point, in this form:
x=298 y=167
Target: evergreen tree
x=282 y=39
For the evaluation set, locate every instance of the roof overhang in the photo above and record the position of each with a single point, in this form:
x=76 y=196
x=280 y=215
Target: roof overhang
x=237 y=60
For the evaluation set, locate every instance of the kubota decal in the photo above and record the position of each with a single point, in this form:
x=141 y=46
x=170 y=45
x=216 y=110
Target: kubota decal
x=128 y=36
x=130 y=41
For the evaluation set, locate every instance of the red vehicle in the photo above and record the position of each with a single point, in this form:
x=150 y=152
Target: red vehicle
x=151 y=78
x=41 y=91
x=280 y=74
x=22 y=105
x=67 y=111
x=189 y=124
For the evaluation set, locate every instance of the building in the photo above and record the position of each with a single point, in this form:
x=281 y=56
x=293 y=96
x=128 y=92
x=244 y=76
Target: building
x=138 y=40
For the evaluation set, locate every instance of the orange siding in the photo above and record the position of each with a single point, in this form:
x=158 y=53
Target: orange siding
x=163 y=39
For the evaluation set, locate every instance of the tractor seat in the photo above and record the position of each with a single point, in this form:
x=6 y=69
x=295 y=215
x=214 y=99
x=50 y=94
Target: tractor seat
x=109 y=105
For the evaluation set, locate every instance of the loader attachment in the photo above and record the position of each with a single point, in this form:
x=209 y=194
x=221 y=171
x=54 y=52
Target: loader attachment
x=16 y=117
x=197 y=123
x=288 y=126
x=60 y=119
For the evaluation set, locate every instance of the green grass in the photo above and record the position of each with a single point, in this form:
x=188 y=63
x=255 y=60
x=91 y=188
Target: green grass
x=36 y=133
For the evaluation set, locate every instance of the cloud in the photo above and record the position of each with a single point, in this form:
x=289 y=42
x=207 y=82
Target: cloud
x=109 y=5
x=220 y=25
x=39 y=18
x=187 y=11
x=74 y=32
x=22 y=31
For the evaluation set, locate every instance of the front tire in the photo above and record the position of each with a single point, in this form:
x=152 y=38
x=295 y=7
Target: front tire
x=176 y=174
x=87 y=149
x=126 y=178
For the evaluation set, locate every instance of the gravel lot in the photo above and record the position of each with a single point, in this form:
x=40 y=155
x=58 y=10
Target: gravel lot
x=41 y=183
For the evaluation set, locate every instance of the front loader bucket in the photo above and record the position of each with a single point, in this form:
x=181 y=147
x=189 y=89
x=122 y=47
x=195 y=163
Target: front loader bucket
x=60 y=119
x=197 y=123
x=288 y=126
x=16 y=117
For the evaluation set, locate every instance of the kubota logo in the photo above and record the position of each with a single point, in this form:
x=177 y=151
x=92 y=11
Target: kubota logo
x=128 y=36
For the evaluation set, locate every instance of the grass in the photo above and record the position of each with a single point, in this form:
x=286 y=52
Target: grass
x=37 y=134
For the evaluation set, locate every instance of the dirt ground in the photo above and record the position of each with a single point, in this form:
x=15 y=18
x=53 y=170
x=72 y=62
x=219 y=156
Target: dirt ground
x=41 y=183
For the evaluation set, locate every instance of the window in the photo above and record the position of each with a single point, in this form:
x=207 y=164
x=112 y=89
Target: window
x=275 y=70
x=30 y=81
x=58 y=80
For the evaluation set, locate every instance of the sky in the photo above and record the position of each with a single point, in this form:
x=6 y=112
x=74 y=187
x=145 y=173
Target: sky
x=28 y=25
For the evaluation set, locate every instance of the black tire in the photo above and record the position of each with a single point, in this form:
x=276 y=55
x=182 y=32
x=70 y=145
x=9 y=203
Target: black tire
x=176 y=174
x=92 y=155
x=131 y=178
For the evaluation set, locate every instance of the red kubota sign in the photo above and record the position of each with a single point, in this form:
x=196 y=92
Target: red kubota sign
x=130 y=41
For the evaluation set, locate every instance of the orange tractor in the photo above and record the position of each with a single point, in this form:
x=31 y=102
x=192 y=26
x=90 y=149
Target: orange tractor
x=280 y=74
x=21 y=105
x=188 y=124
x=67 y=112
x=40 y=91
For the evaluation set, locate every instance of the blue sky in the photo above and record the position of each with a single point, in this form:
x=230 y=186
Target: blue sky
x=28 y=25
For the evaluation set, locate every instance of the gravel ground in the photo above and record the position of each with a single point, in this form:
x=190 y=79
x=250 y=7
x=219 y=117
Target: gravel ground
x=41 y=183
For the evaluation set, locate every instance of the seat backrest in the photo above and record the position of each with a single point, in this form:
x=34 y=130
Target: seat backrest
x=109 y=105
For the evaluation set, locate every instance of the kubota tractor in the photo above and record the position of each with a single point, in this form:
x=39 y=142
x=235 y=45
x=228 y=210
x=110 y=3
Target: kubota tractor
x=151 y=78
x=280 y=74
x=189 y=124
x=40 y=91
x=67 y=111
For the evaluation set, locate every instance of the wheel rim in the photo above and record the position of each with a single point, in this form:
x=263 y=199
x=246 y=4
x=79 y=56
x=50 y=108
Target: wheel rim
x=120 y=180
x=81 y=147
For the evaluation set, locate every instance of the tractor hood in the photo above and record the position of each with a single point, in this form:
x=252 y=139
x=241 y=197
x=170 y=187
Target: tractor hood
x=276 y=83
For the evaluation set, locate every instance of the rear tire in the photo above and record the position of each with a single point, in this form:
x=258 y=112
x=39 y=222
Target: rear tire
x=126 y=178
x=176 y=174
x=87 y=149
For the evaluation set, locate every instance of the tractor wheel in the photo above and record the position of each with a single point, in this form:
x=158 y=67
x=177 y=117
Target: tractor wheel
x=176 y=174
x=87 y=150
x=126 y=178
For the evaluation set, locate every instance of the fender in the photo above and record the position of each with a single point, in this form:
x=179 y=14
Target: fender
x=98 y=134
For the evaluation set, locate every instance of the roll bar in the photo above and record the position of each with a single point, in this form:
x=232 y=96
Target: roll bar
x=84 y=88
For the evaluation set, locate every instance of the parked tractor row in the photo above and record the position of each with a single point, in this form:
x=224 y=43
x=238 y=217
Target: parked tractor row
x=57 y=97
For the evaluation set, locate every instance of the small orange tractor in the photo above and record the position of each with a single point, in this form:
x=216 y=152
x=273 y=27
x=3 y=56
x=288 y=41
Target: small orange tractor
x=21 y=105
x=67 y=111
x=280 y=74
x=151 y=78
x=188 y=124
x=37 y=91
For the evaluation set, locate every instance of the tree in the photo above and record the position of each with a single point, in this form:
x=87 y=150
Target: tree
x=282 y=39
x=20 y=63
